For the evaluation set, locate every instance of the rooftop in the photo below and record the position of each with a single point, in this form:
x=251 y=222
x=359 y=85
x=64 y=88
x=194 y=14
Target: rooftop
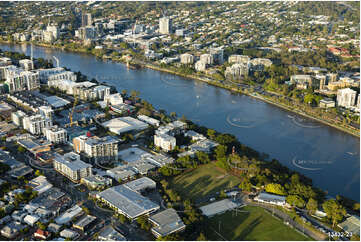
x=140 y=184
x=127 y=201
x=166 y=222
x=124 y=124
x=218 y=207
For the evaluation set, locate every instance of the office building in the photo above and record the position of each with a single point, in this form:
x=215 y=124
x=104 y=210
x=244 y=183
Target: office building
x=72 y=167
x=346 y=97
x=165 y=25
x=110 y=234
x=113 y=99
x=56 y=135
x=141 y=184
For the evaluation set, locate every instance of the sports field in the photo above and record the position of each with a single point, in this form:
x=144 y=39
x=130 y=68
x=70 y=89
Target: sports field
x=252 y=224
x=204 y=181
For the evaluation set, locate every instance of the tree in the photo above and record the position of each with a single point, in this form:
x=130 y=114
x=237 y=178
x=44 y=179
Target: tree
x=245 y=185
x=202 y=157
x=334 y=211
x=220 y=151
x=21 y=149
x=312 y=205
x=275 y=188
x=295 y=200
x=38 y=173
x=86 y=210
x=201 y=237
x=143 y=222
x=211 y=133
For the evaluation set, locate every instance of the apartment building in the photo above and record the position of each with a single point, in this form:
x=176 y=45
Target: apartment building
x=187 y=58
x=36 y=124
x=238 y=59
x=101 y=150
x=18 y=117
x=165 y=25
x=56 y=134
x=71 y=166
x=20 y=80
x=165 y=142
x=26 y=64
x=346 y=97
x=237 y=70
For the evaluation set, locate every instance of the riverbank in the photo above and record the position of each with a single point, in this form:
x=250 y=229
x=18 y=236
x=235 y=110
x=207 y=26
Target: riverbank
x=292 y=109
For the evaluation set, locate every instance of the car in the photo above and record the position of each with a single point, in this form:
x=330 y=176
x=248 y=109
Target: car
x=212 y=199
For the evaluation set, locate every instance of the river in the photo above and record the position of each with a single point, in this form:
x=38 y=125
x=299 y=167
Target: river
x=331 y=158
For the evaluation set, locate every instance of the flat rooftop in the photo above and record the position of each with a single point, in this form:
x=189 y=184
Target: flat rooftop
x=128 y=202
x=140 y=184
x=124 y=124
x=218 y=207
x=166 y=222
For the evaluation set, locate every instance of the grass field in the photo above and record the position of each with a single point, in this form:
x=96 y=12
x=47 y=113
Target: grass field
x=255 y=224
x=205 y=180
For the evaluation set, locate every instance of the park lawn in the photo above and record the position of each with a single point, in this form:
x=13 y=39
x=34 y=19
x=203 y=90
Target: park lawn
x=203 y=181
x=255 y=224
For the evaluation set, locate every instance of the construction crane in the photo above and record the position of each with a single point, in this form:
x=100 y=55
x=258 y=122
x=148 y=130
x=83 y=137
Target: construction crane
x=72 y=111
x=57 y=61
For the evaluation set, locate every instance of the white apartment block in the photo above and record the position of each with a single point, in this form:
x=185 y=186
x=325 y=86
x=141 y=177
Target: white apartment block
x=36 y=124
x=45 y=73
x=165 y=142
x=200 y=66
x=61 y=76
x=237 y=70
x=5 y=61
x=346 y=97
x=26 y=64
x=238 y=59
x=165 y=25
x=56 y=135
x=101 y=150
x=113 y=99
x=207 y=58
x=217 y=54
x=18 y=117
x=187 y=58
x=71 y=166
x=20 y=80
x=46 y=111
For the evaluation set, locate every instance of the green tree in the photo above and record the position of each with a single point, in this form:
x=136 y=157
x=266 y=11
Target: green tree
x=202 y=157
x=334 y=211
x=312 y=205
x=246 y=185
x=211 y=133
x=21 y=149
x=275 y=188
x=201 y=237
x=295 y=200
x=220 y=152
